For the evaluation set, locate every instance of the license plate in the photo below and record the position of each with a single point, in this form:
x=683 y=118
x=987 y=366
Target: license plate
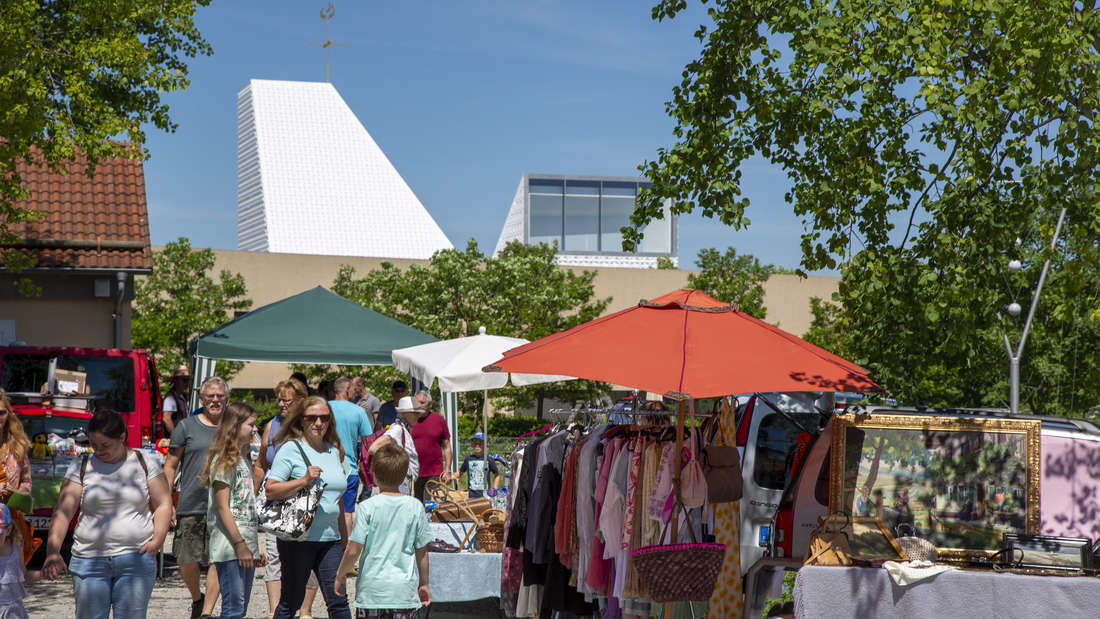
x=40 y=523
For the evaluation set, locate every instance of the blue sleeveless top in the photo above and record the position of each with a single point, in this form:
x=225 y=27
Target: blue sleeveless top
x=273 y=429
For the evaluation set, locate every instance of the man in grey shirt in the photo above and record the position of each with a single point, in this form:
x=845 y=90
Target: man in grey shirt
x=186 y=455
x=364 y=398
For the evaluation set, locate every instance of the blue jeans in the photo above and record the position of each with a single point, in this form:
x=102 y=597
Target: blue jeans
x=122 y=581
x=236 y=587
x=301 y=558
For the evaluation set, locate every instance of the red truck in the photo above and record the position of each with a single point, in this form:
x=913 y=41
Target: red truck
x=55 y=390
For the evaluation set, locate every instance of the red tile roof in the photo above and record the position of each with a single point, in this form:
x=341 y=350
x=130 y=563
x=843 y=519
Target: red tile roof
x=99 y=222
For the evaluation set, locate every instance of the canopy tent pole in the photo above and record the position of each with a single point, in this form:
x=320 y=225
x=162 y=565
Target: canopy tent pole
x=204 y=368
x=450 y=413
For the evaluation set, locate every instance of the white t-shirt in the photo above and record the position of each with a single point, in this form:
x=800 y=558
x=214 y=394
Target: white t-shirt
x=395 y=431
x=114 y=508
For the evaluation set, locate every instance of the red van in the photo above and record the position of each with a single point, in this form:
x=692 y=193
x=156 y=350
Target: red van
x=55 y=390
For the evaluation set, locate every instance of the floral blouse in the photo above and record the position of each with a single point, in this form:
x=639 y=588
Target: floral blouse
x=15 y=474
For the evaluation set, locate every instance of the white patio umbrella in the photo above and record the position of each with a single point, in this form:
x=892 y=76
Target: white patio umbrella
x=457 y=365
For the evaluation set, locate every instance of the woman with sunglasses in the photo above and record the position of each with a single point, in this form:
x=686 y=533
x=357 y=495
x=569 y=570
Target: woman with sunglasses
x=312 y=454
x=288 y=393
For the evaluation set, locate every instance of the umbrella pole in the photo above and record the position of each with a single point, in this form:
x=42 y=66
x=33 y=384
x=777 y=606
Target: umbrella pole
x=485 y=431
x=676 y=486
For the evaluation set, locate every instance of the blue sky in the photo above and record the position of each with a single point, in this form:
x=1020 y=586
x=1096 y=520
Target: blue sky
x=464 y=98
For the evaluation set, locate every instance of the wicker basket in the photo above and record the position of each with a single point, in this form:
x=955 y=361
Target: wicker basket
x=443 y=493
x=679 y=572
x=490 y=537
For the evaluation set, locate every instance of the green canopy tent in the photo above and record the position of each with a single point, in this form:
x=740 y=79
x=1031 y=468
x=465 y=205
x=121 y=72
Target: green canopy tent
x=316 y=326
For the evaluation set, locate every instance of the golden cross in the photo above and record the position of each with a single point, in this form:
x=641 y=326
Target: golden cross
x=326 y=16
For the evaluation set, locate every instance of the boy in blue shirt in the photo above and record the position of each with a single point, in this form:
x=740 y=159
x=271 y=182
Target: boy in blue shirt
x=389 y=542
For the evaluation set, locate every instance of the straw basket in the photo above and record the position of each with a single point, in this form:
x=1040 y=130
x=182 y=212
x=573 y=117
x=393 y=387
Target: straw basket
x=679 y=572
x=443 y=493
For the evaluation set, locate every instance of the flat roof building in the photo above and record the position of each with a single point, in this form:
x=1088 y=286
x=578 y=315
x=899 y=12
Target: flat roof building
x=584 y=215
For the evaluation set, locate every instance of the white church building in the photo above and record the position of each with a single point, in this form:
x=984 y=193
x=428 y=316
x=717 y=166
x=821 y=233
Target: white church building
x=301 y=152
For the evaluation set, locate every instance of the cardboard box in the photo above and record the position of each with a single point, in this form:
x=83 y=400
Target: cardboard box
x=71 y=382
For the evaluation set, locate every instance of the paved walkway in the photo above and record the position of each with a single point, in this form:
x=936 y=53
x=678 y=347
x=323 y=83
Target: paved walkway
x=170 y=599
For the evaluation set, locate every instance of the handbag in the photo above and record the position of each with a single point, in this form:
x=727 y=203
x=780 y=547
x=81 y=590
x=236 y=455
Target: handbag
x=693 y=483
x=679 y=572
x=916 y=548
x=466 y=509
x=828 y=545
x=290 y=518
x=722 y=467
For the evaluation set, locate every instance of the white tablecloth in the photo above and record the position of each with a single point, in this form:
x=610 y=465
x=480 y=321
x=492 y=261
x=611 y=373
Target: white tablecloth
x=463 y=576
x=827 y=592
x=453 y=532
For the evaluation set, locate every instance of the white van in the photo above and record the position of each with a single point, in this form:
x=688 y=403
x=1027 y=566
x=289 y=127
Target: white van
x=779 y=544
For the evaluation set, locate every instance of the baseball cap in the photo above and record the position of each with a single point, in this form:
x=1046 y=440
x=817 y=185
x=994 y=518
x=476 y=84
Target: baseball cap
x=478 y=436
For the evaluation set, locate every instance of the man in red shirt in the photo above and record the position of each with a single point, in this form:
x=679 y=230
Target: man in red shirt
x=433 y=444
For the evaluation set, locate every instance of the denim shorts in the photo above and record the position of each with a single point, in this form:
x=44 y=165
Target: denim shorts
x=127 y=579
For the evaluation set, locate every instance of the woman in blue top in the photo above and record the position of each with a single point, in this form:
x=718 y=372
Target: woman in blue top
x=309 y=424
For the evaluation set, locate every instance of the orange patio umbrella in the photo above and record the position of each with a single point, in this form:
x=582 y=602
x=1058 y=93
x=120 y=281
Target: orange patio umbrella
x=684 y=345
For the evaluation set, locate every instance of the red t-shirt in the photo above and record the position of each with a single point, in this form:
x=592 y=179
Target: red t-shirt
x=428 y=435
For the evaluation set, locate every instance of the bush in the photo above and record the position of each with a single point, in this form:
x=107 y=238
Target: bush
x=498 y=426
x=265 y=407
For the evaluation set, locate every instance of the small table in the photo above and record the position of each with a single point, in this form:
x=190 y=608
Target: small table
x=870 y=592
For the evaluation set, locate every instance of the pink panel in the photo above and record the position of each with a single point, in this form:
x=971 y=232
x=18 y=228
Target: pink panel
x=1070 y=487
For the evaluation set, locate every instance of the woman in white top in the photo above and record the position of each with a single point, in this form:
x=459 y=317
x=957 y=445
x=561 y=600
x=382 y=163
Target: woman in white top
x=117 y=536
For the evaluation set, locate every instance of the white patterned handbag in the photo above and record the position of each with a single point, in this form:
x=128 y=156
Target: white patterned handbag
x=289 y=518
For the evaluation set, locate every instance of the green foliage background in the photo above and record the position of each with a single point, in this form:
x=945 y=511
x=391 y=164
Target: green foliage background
x=920 y=141
x=77 y=74
x=518 y=293
x=181 y=300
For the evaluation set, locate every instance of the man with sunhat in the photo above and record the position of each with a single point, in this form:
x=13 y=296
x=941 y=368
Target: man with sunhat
x=398 y=433
x=177 y=404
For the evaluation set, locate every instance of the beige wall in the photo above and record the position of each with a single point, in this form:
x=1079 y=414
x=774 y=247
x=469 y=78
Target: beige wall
x=66 y=322
x=271 y=276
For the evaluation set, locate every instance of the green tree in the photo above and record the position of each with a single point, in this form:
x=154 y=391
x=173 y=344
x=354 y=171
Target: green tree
x=518 y=293
x=75 y=75
x=181 y=300
x=733 y=279
x=920 y=140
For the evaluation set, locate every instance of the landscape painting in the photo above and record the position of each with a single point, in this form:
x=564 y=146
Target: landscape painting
x=960 y=483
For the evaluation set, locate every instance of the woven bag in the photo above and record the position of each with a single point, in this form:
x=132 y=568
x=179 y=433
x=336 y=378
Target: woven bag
x=679 y=572
x=916 y=548
x=443 y=493
x=490 y=537
x=828 y=545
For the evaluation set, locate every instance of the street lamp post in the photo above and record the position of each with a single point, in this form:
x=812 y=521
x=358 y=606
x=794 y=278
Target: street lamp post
x=1014 y=359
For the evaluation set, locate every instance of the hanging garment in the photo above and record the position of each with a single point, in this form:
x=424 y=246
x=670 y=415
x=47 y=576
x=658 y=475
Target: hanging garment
x=728 y=599
x=511 y=560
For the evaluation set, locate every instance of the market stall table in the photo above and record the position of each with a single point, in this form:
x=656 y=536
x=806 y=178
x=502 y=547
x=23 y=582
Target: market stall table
x=869 y=592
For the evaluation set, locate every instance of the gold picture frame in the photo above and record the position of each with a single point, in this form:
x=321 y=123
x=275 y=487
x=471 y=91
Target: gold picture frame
x=959 y=482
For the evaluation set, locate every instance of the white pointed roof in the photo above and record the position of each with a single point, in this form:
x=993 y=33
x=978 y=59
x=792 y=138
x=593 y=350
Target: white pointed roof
x=311 y=180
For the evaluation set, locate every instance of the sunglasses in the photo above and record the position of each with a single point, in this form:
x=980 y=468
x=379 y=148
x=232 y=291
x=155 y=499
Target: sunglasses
x=316 y=418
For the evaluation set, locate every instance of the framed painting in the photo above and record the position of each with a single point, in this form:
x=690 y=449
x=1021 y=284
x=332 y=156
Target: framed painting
x=959 y=482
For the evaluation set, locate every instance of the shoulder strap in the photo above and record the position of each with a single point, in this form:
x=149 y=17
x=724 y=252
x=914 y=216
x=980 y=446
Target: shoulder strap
x=83 y=467
x=141 y=461
x=304 y=456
